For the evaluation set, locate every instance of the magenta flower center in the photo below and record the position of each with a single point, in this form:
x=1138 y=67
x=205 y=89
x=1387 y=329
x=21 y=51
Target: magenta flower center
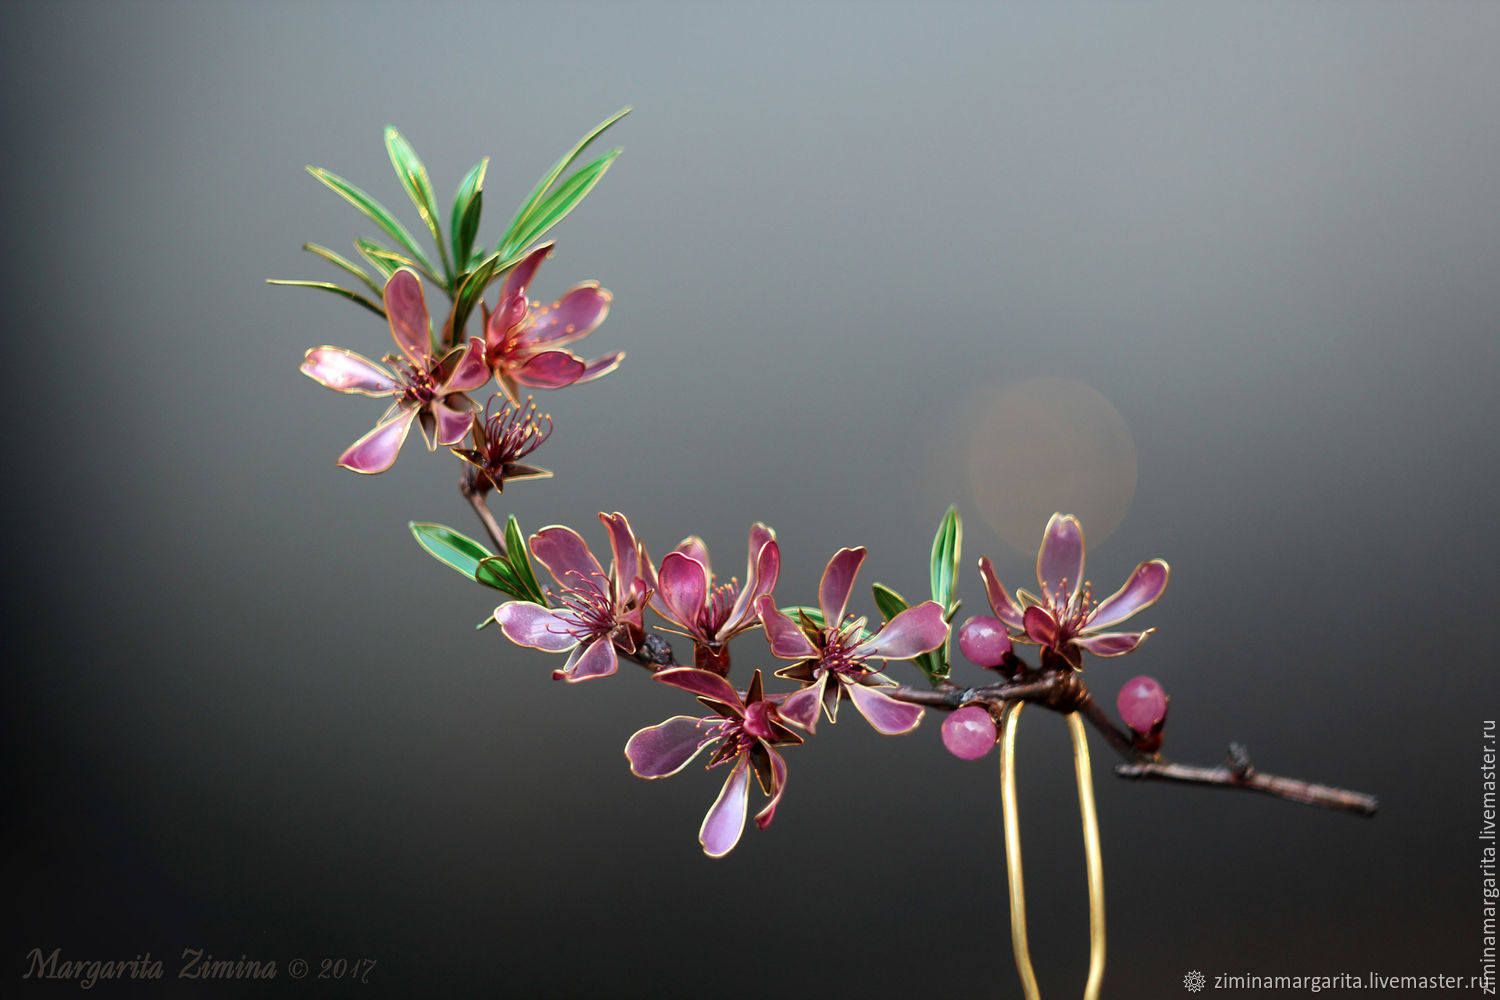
x=590 y=613
x=1072 y=618
x=738 y=736
x=839 y=647
x=514 y=433
x=715 y=612
x=418 y=387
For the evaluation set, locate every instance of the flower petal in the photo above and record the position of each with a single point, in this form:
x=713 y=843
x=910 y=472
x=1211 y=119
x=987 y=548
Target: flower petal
x=916 y=630
x=1006 y=608
x=600 y=367
x=1112 y=643
x=704 y=683
x=624 y=549
x=377 y=450
x=471 y=371
x=567 y=558
x=1059 y=564
x=452 y=424
x=725 y=821
x=760 y=580
x=509 y=312
x=595 y=659
x=682 y=589
x=692 y=546
x=788 y=642
x=662 y=750
x=345 y=371
x=837 y=582
x=778 y=785
x=574 y=316
x=550 y=370
x=407 y=311
x=520 y=276
x=1140 y=591
x=801 y=707
x=531 y=625
x=1041 y=627
x=885 y=714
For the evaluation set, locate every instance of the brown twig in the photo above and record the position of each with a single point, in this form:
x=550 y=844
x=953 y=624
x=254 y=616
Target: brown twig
x=1063 y=690
x=491 y=526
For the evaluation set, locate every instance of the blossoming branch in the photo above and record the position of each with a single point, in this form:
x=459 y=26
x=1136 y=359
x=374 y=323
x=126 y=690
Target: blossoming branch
x=593 y=618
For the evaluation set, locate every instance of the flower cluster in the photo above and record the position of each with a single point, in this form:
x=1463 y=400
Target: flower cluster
x=520 y=348
x=597 y=617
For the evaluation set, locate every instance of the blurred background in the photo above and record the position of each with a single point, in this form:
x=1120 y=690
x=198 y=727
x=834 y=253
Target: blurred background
x=1220 y=279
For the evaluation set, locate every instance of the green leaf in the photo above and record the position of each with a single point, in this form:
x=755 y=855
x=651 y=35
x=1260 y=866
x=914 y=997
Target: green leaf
x=495 y=572
x=347 y=265
x=387 y=262
x=464 y=224
x=561 y=202
x=945 y=552
x=413 y=175
x=450 y=548
x=376 y=213
x=888 y=601
x=470 y=291
x=335 y=289
x=533 y=201
x=520 y=560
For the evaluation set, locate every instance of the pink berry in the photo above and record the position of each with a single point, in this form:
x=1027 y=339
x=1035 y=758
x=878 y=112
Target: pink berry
x=1142 y=703
x=969 y=732
x=984 y=640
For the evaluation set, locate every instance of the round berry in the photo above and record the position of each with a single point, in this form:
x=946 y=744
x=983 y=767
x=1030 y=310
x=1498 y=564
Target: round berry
x=969 y=732
x=984 y=640
x=1142 y=703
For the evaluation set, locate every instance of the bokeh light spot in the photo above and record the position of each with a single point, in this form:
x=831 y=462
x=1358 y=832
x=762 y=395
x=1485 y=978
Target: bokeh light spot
x=1045 y=445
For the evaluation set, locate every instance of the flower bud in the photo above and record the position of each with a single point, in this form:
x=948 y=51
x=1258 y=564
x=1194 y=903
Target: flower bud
x=984 y=641
x=970 y=732
x=1143 y=706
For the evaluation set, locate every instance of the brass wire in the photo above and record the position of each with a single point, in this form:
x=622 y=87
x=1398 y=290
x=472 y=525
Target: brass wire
x=1013 y=850
x=1092 y=854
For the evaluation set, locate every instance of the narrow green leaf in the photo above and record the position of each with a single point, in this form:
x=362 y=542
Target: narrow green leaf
x=375 y=212
x=387 y=262
x=413 y=174
x=945 y=553
x=347 y=265
x=534 y=200
x=470 y=291
x=335 y=289
x=561 y=202
x=450 y=548
x=495 y=572
x=464 y=223
x=888 y=601
x=520 y=560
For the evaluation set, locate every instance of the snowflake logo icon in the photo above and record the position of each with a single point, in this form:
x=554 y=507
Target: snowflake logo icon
x=1194 y=981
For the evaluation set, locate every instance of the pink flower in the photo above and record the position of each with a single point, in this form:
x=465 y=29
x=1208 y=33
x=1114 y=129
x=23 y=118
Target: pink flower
x=500 y=441
x=598 y=613
x=711 y=613
x=426 y=388
x=838 y=651
x=1065 y=619
x=522 y=339
x=742 y=733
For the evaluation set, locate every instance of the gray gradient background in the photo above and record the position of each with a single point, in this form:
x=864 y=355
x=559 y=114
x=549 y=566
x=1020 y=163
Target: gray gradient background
x=246 y=714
